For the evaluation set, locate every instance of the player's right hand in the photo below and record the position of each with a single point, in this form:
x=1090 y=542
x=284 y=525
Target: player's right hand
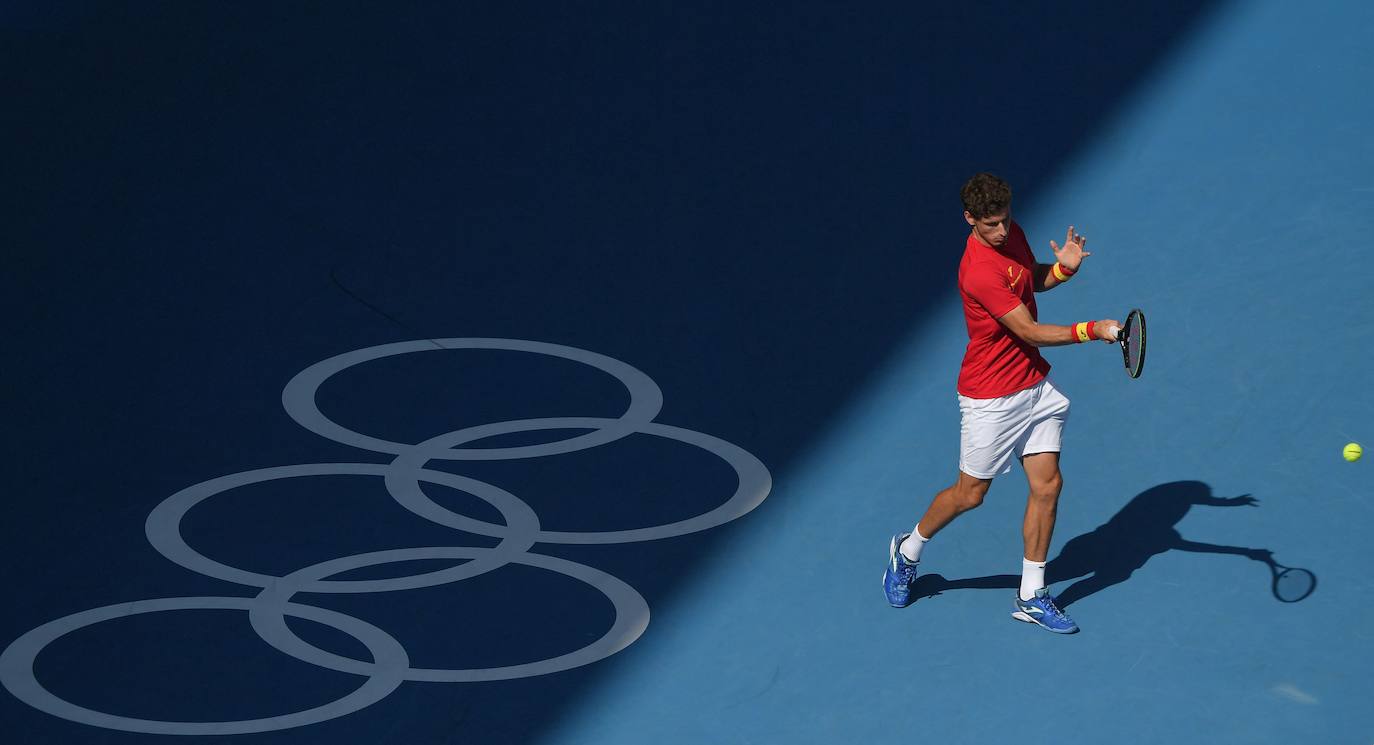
x=1106 y=330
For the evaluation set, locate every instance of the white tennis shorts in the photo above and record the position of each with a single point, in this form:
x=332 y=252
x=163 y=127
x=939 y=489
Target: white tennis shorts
x=994 y=430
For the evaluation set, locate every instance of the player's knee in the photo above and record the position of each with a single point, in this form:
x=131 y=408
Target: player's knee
x=970 y=496
x=1047 y=489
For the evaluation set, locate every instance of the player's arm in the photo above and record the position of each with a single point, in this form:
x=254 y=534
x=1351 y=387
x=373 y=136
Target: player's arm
x=1258 y=554
x=1043 y=274
x=1020 y=323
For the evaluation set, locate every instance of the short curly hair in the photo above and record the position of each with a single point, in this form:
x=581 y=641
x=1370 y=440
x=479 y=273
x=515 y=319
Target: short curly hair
x=985 y=194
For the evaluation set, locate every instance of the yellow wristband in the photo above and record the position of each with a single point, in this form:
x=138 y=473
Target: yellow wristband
x=1080 y=331
x=1060 y=273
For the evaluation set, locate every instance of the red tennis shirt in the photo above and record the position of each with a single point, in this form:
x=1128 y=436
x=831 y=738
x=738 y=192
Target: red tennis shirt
x=992 y=282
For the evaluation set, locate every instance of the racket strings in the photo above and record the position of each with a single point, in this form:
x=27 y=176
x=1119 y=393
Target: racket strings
x=1292 y=585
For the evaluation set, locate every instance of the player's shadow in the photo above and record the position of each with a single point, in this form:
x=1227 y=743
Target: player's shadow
x=1111 y=553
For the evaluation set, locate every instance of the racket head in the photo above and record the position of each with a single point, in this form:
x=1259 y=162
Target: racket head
x=1132 y=340
x=1292 y=584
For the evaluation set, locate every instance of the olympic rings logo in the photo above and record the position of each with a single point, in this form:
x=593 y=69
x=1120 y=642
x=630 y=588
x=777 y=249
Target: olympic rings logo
x=391 y=665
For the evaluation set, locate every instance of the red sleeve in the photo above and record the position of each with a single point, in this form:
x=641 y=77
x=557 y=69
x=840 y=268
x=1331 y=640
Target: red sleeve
x=989 y=290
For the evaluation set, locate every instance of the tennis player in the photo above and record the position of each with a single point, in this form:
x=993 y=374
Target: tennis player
x=1010 y=407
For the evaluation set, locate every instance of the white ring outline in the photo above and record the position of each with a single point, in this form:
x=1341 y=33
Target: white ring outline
x=631 y=616
x=298 y=397
x=754 y=482
x=163 y=528
x=17 y=674
x=390 y=659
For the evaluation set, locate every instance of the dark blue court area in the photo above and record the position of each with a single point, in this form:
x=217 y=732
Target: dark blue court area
x=542 y=373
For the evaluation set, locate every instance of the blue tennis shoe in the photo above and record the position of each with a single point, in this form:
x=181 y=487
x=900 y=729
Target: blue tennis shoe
x=900 y=574
x=1042 y=611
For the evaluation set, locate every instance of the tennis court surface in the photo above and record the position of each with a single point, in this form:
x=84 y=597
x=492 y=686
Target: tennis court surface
x=528 y=374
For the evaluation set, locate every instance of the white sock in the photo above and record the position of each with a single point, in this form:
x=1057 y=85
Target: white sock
x=911 y=547
x=1032 y=577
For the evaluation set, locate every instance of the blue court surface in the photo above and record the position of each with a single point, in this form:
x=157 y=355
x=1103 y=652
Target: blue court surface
x=541 y=373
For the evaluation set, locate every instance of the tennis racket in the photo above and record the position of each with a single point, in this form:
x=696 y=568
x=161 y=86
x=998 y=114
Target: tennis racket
x=1132 y=340
x=1291 y=584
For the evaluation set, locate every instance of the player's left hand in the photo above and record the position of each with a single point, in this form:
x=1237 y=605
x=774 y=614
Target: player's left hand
x=1072 y=254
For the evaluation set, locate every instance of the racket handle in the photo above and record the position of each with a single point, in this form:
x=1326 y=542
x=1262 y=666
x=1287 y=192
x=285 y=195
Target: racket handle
x=1116 y=332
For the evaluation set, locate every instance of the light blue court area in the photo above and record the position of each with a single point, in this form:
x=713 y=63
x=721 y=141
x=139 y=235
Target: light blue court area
x=1231 y=197
x=439 y=375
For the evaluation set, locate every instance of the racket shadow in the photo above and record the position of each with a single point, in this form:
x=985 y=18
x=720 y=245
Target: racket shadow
x=1108 y=555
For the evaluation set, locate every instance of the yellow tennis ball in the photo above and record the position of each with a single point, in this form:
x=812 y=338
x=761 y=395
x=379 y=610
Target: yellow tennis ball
x=1352 y=452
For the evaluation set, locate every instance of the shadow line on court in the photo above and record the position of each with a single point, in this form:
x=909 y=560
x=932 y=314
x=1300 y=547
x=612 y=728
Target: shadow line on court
x=1108 y=555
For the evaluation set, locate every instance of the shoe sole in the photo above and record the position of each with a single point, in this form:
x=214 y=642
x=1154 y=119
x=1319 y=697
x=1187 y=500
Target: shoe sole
x=1020 y=616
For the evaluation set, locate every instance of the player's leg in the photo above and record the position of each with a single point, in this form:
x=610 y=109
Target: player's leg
x=1042 y=506
x=967 y=493
x=904 y=550
x=989 y=433
x=1040 y=460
